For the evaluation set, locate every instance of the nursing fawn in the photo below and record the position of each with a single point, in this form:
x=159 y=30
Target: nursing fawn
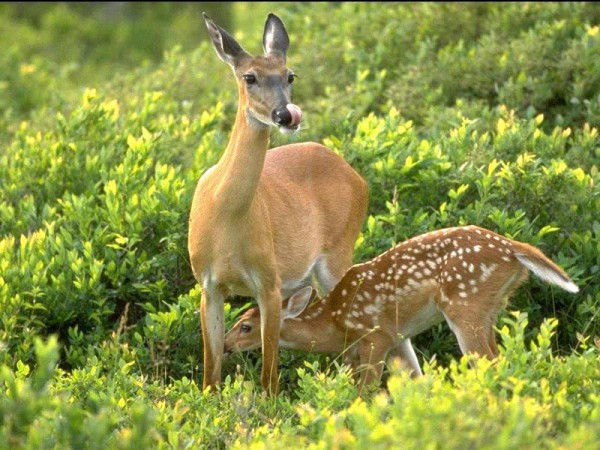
x=263 y=223
x=464 y=275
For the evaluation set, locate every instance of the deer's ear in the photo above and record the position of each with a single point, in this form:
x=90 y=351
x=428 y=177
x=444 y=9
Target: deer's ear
x=225 y=45
x=297 y=303
x=275 y=37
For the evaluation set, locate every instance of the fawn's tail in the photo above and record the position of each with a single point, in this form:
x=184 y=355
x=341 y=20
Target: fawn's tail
x=543 y=267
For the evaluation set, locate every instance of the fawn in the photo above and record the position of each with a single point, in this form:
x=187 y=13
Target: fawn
x=263 y=223
x=462 y=274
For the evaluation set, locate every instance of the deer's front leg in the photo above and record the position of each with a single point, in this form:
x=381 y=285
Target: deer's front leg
x=212 y=313
x=269 y=304
x=372 y=360
x=408 y=358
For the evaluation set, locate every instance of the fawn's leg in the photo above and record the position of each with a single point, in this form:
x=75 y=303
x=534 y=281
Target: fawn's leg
x=372 y=356
x=408 y=358
x=473 y=335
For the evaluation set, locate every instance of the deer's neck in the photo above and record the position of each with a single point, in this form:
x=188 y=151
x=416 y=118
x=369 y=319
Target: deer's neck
x=241 y=165
x=315 y=330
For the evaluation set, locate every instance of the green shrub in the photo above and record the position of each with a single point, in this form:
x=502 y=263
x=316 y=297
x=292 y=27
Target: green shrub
x=518 y=402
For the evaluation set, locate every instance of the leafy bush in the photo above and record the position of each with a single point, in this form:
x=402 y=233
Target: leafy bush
x=421 y=59
x=528 y=396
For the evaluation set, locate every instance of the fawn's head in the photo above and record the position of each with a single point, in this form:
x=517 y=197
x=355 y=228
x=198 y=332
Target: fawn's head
x=245 y=334
x=265 y=82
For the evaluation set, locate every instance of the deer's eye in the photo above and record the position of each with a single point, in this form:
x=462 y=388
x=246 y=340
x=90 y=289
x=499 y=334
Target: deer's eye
x=291 y=78
x=245 y=328
x=250 y=78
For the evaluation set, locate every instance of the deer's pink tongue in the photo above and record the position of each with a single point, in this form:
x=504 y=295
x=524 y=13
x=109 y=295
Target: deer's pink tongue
x=296 y=113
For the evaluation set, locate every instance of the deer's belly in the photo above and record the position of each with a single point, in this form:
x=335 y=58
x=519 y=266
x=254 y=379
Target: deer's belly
x=423 y=319
x=230 y=277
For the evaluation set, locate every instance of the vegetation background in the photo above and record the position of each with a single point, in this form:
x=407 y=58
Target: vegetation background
x=455 y=113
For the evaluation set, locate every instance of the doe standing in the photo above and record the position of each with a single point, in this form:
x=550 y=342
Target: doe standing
x=262 y=223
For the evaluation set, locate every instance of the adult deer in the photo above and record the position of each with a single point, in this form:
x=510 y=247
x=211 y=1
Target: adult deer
x=463 y=275
x=263 y=223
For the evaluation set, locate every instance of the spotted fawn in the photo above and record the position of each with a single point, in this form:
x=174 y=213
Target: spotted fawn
x=463 y=275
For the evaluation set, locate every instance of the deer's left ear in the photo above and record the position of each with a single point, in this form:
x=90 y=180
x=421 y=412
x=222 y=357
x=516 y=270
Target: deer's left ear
x=297 y=303
x=275 y=37
x=225 y=45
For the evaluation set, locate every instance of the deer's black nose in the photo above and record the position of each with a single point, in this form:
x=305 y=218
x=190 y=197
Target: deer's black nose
x=282 y=117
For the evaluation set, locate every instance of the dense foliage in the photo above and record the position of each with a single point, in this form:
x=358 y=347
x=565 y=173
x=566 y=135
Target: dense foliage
x=455 y=113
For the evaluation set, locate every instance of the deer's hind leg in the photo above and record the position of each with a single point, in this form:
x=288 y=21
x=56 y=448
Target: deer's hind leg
x=330 y=269
x=472 y=320
x=474 y=336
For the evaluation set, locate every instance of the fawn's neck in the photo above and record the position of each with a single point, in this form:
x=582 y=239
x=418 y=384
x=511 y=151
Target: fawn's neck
x=315 y=330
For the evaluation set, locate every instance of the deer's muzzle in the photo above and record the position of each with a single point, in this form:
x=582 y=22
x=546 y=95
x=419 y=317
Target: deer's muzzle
x=289 y=117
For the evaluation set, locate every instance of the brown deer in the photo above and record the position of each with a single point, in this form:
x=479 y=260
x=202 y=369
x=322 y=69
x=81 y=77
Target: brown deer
x=464 y=275
x=263 y=223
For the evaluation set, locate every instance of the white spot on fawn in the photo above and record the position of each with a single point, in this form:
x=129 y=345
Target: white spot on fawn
x=371 y=310
x=486 y=271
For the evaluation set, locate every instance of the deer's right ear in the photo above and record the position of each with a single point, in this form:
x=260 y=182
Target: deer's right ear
x=275 y=37
x=297 y=303
x=225 y=45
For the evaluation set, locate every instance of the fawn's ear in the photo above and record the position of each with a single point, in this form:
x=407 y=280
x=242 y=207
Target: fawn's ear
x=225 y=45
x=297 y=303
x=275 y=37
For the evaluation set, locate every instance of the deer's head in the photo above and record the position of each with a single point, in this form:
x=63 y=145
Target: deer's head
x=245 y=334
x=264 y=82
